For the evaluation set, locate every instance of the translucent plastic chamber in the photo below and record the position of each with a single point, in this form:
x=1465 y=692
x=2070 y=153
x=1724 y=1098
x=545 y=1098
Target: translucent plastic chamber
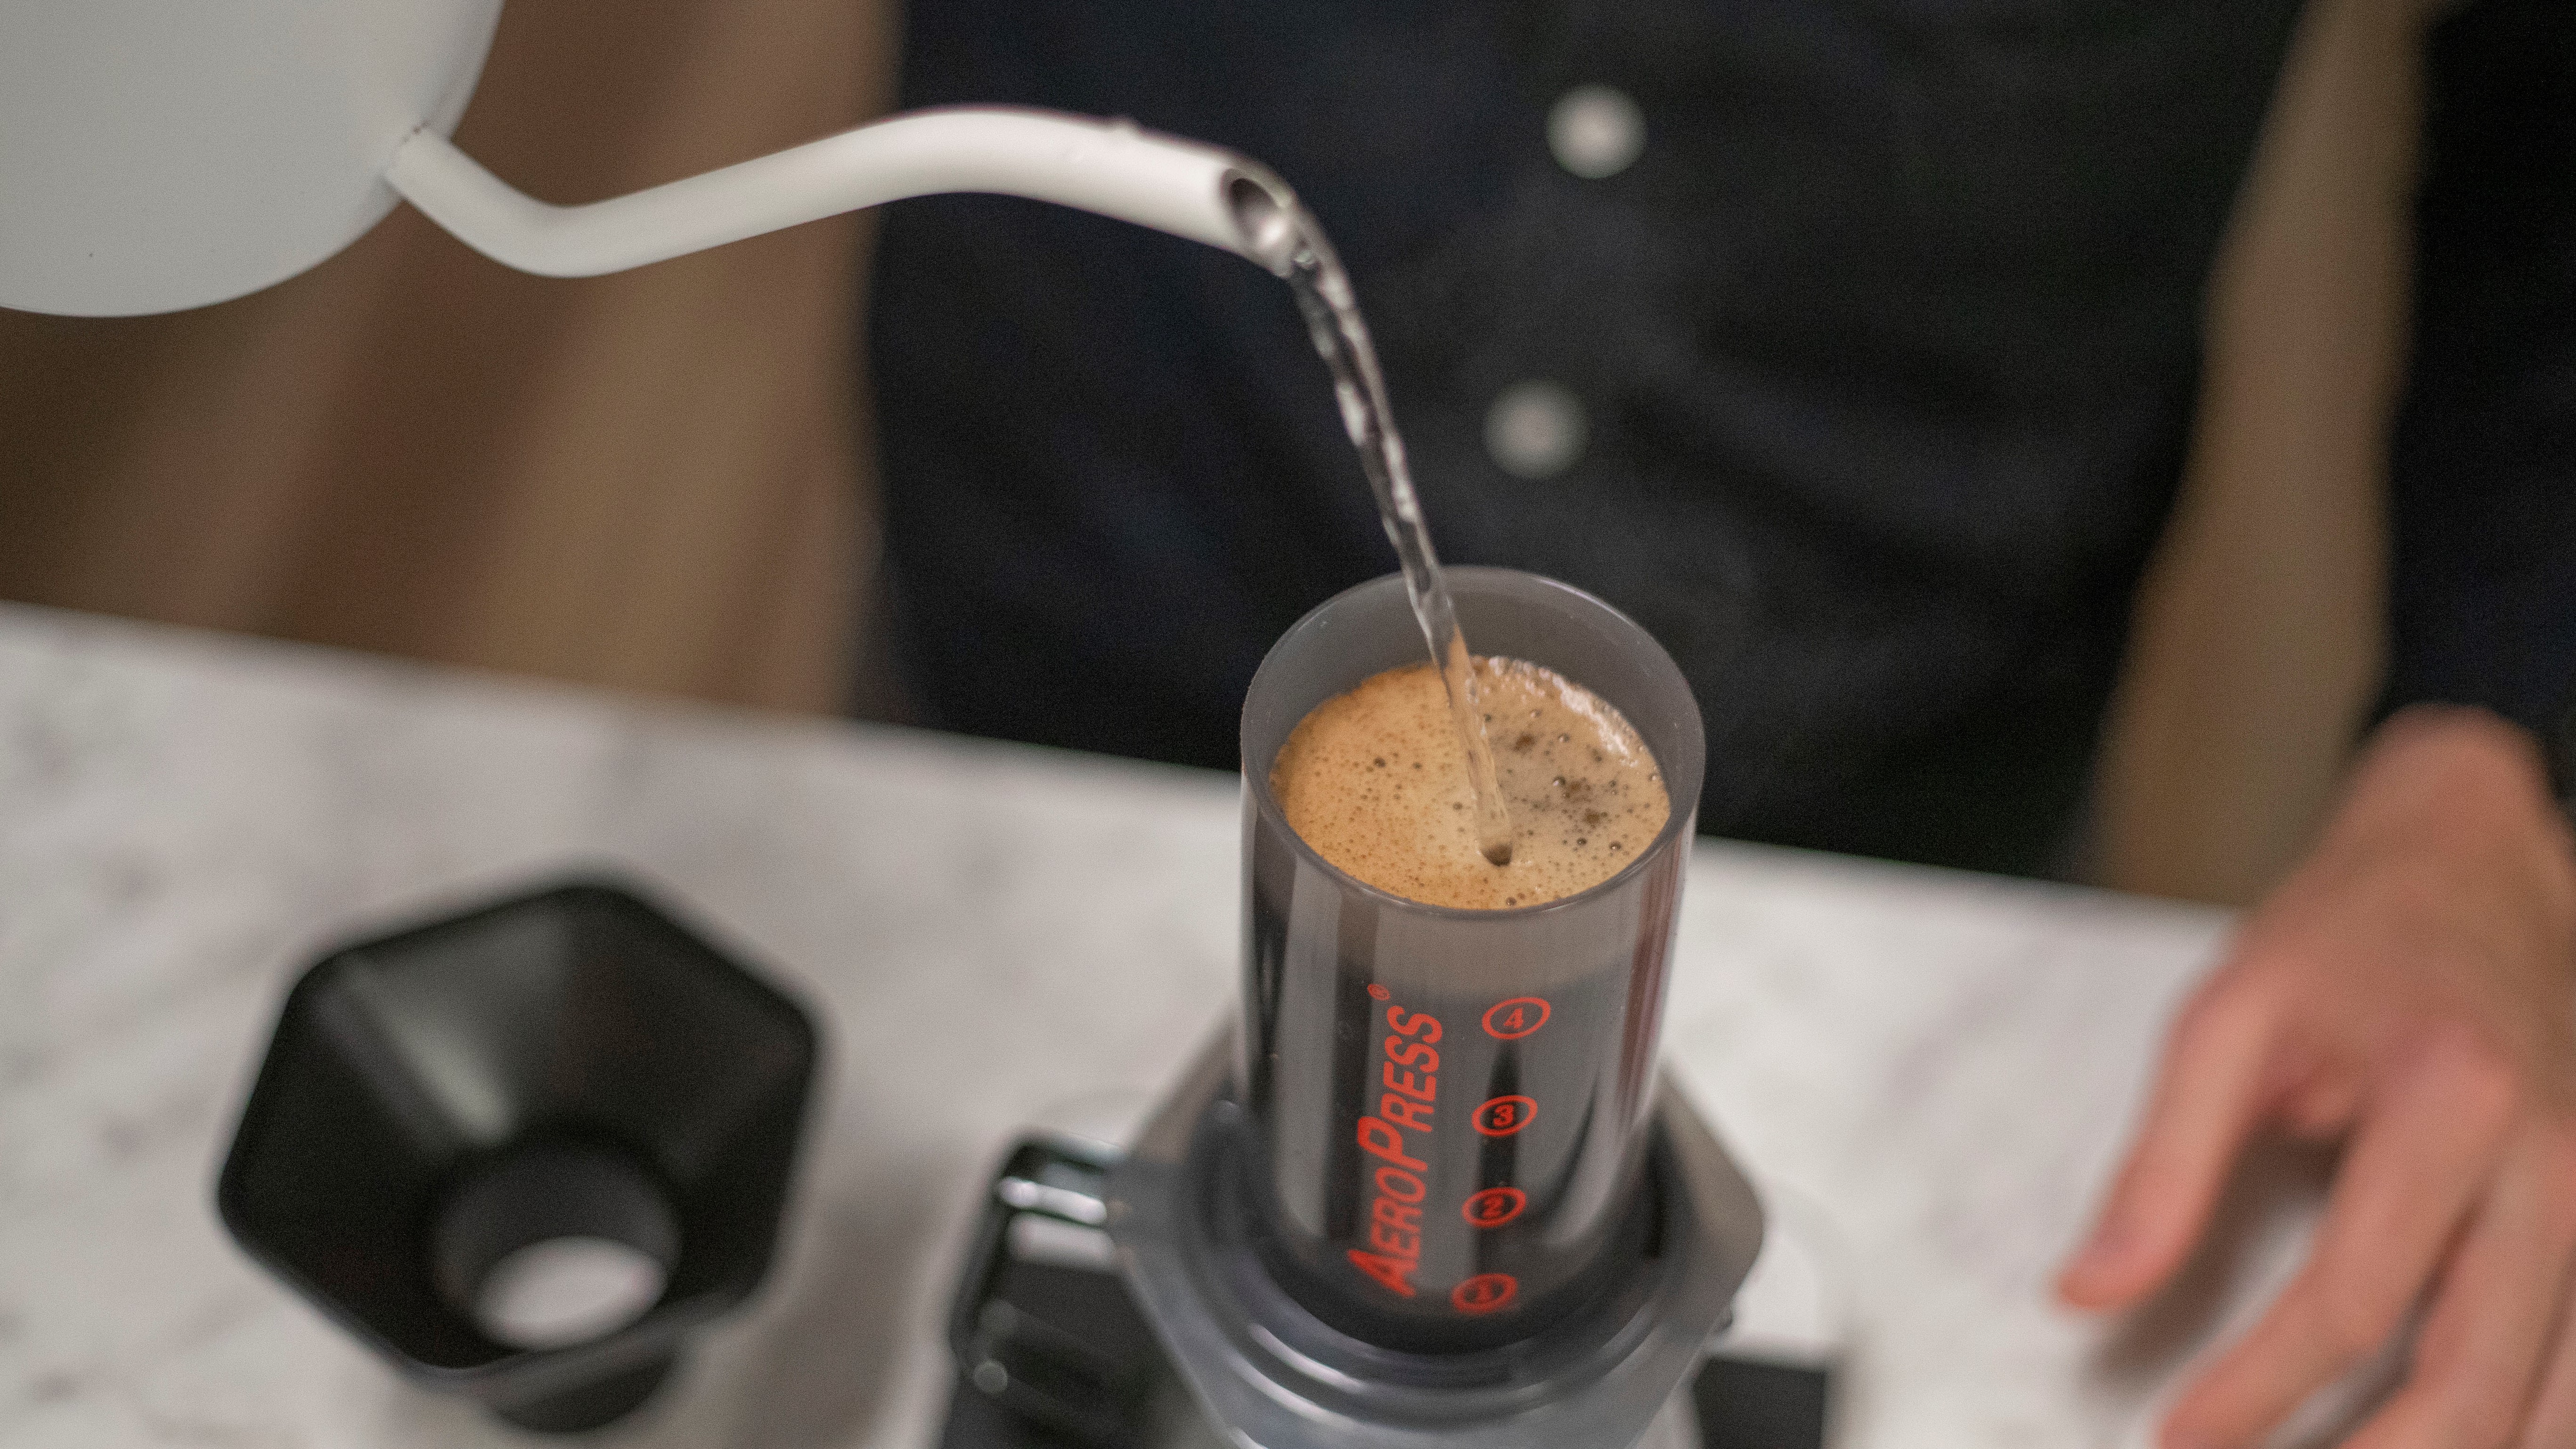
x=1446 y=1111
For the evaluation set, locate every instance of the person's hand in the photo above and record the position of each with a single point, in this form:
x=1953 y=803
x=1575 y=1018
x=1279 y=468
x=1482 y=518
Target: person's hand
x=2412 y=988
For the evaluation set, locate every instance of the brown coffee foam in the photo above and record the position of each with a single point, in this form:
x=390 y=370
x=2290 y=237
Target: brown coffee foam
x=1374 y=780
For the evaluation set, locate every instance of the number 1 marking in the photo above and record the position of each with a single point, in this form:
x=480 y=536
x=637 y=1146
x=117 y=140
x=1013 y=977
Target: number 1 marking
x=1484 y=1293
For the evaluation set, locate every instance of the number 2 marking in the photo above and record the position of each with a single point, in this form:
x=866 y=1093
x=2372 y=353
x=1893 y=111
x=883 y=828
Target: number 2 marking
x=1494 y=1206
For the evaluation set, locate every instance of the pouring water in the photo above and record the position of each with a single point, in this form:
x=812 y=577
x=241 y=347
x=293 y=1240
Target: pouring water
x=1284 y=238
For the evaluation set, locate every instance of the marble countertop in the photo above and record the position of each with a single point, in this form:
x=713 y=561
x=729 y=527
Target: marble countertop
x=1938 y=1066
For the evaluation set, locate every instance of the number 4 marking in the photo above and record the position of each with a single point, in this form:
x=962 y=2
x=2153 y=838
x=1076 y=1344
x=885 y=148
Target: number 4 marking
x=1511 y=1020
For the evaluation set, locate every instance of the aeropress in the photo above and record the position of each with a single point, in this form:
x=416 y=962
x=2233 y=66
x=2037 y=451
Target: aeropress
x=1429 y=1189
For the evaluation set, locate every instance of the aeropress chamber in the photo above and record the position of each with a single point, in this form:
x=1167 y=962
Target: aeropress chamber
x=1432 y=1190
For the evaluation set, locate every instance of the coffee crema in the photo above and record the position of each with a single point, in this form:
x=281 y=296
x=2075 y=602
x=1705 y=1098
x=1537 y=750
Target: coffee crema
x=1376 y=782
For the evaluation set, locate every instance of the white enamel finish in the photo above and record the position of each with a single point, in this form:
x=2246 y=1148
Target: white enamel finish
x=1108 y=167
x=155 y=156
x=158 y=155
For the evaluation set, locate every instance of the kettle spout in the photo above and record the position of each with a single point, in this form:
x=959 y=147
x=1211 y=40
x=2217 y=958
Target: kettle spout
x=1113 y=168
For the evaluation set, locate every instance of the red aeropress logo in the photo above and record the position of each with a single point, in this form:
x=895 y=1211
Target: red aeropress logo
x=1408 y=1073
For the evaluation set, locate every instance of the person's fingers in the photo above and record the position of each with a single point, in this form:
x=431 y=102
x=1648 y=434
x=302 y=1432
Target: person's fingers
x=2550 y=1423
x=2322 y=1108
x=2208 y=1095
x=2424 y=1155
x=2476 y=1362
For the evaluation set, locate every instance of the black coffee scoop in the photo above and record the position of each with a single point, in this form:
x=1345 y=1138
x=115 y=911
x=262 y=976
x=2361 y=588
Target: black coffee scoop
x=523 y=1152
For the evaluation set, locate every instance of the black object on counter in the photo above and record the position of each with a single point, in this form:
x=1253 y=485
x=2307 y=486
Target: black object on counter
x=1056 y=1347
x=568 y=1065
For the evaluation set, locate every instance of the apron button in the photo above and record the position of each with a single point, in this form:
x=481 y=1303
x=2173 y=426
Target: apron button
x=1535 y=430
x=1595 y=131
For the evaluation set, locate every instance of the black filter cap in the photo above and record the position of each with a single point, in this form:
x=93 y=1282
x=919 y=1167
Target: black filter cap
x=567 y=1065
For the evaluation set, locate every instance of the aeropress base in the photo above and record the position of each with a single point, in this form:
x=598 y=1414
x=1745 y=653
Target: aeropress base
x=1053 y=1351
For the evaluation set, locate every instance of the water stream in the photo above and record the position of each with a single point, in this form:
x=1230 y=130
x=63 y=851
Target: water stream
x=1287 y=240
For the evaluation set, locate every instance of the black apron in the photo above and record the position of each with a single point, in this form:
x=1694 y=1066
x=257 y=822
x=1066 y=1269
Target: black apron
x=1885 y=347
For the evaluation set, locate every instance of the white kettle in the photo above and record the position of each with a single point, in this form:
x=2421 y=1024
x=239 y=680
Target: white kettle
x=158 y=155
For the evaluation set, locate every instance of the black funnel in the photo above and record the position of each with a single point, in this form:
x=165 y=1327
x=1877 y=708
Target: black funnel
x=568 y=1066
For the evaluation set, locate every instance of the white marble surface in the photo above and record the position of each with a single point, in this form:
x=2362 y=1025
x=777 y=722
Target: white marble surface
x=1941 y=1064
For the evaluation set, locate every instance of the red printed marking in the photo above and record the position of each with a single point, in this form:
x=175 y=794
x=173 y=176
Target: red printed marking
x=1394 y=1234
x=1395 y=1275
x=1503 y=1116
x=1384 y=1141
x=1401 y=1111
x=1494 y=1207
x=1485 y=1292
x=1511 y=1020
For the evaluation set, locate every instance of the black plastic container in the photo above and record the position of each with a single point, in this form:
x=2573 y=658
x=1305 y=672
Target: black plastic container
x=571 y=1064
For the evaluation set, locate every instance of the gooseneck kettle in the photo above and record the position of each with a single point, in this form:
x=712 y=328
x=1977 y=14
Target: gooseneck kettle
x=155 y=157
